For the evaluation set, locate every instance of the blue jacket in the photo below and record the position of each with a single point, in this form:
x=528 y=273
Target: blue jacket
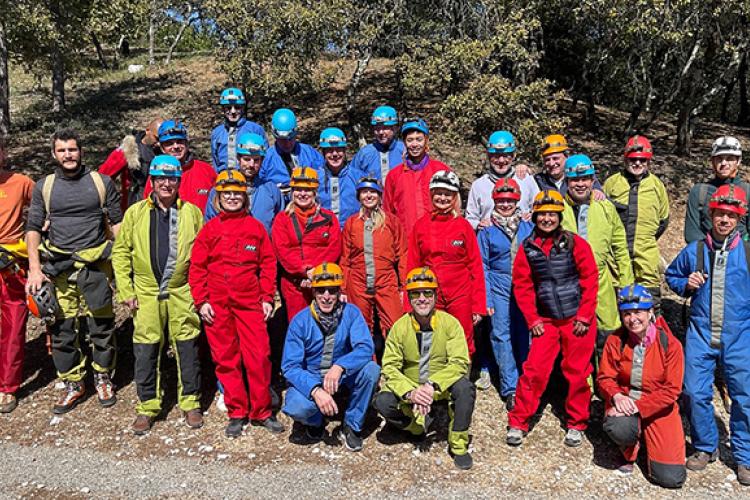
x=274 y=169
x=366 y=163
x=495 y=247
x=348 y=204
x=303 y=349
x=220 y=136
x=266 y=201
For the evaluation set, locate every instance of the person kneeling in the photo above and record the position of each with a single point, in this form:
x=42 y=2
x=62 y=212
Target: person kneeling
x=640 y=378
x=329 y=347
x=426 y=360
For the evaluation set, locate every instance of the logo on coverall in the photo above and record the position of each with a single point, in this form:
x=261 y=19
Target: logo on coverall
x=457 y=243
x=251 y=248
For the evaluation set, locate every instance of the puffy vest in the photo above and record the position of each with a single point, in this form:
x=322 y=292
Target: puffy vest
x=558 y=293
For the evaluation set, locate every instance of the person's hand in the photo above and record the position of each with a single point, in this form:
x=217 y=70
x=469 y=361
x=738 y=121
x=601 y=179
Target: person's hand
x=267 y=310
x=34 y=281
x=526 y=216
x=423 y=410
x=423 y=394
x=332 y=379
x=476 y=318
x=490 y=311
x=309 y=273
x=612 y=412
x=132 y=304
x=207 y=313
x=305 y=283
x=599 y=195
x=695 y=281
x=624 y=404
x=538 y=330
x=522 y=170
x=580 y=328
x=342 y=297
x=484 y=223
x=325 y=402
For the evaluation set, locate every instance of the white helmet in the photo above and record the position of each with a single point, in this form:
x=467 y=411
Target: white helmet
x=726 y=145
x=445 y=179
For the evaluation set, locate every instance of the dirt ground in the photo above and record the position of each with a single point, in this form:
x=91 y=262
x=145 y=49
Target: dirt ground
x=92 y=453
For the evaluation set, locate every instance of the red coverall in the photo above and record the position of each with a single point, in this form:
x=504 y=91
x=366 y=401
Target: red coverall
x=318 y=241
x=558 y=334
x=388 y=261
x=233 y=268
x=448 y=246
x=407 y=192
x=658 y=411
x=116 y=164
x=197 y=180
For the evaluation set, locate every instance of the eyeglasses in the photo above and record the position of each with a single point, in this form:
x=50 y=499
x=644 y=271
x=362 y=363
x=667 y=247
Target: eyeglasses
x=332 y=290
x=427 y=294
x=232 y=194
x=637 y=160
x=166 y=180
x=231 y=107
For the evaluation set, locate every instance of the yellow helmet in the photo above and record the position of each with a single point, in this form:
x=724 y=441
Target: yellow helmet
x=548 y=200
x=230 y=180
x=327 y=274
x=554 y=143
x=304 y=177
x=420 y=278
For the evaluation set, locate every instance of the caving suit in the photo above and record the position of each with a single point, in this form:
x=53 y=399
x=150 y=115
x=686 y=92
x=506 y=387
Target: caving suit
x=375 y=160
x=338 y=193
x=265 y=201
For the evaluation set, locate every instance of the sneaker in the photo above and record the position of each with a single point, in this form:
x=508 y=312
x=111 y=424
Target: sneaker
x=573 y=438
x=351 y=439
x=314 y=434
x=194 y=418
x=700 y=460
x=234 y=427
x=514 y=437
x=142 y=425
x=743 y=475
x=510 y=402
x=8 y=402
x=463 y=462
x=220 y=405
x=105 y=390
x=72 y=395
x=271 y=424
x=484 y=381
x=626 y=469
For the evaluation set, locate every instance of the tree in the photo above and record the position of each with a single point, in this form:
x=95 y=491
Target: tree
x=4 y=82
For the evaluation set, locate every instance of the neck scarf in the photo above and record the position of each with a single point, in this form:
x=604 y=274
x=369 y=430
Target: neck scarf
x=494 y=176
x=418 y=166
x=329 y=322
x=509 y=225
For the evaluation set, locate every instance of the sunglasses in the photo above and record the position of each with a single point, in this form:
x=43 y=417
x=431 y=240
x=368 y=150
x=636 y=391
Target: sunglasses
x=332 y=290
x=427 y=294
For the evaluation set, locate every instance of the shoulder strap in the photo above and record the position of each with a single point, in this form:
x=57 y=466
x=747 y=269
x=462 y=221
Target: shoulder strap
x=663 y=340
x=700 y=265
x=47 y=192
x=702 y=194
x=746 y=244
x=100 y=189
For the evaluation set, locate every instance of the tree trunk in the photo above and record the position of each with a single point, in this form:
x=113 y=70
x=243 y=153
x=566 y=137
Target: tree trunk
x=99 y=51
x=151 y=35
x=58 y=80
x=353 y=91
x=743 y=117
x=4 y=85
x=728 y=91
x=186 y=22
x=591 y=121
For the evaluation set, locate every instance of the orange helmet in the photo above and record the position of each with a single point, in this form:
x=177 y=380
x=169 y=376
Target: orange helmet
x=327 y=274
x=43 y=304
x=729 y=197
x=420 y=278
x=304 y=177
x=230 y=180
x=554 y=143
x=506 y=189
x=639 y=146
x=548 y=200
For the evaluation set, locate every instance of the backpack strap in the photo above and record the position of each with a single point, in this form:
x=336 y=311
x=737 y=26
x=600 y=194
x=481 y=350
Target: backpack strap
x=700 y=264
x=746 y=244
x=100 y=188
x=702 y=197
x=663 y=340
x=48 y=182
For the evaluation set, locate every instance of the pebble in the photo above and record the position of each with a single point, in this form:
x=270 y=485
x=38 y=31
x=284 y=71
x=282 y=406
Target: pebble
x=85 y=490
x=55 y=420
x=251 y=455
x=222 y=456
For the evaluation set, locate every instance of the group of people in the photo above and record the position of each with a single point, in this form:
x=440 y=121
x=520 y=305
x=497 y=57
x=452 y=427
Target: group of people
x=394 y=300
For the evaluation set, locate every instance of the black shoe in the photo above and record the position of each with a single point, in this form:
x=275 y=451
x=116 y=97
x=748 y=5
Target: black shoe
x=270 y=423
x=351 y=439
x=234 y=427
x=510 y=401
x=463 y=462
x=314 y=434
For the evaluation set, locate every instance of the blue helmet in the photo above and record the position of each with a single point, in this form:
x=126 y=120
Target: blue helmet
x=251 y=144
x=501 y=141
x=579 y=166
x=284 y=124
x=369 y=183
x=634 y=297
x=384 y=115
x=172 y=129
x=332 y=137
x=165 y=166
x=414 y=124
x=232 y=95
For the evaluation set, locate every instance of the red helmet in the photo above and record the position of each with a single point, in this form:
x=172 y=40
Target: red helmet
x=730 y=198
x=506 y=189
x=639 y=146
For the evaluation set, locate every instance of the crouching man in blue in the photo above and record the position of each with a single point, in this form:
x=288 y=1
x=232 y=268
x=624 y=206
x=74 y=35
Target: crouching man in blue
x=328 y=347
x=714 y=273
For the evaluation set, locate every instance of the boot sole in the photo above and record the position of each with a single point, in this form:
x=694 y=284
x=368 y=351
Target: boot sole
x=62 y=410
x=106 y=403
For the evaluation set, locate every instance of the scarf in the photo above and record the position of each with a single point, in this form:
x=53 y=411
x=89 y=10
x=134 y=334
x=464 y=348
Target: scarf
x=647 y=339
x=509 y=225
x=329 y=322
x=729 y=243
x=305 y=213
x=494 y=176
x=418 y=166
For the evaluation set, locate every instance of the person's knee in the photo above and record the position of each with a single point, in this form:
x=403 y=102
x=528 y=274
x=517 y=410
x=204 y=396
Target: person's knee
x=463 y=389
x=668 y=475
x=386 y=403
x=624 y=431
x=297 y=406
x=370 y=373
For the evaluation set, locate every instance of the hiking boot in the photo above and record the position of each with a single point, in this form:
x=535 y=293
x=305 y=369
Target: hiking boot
x=484 y=381
x=271 y=424
x=71 y=396
x=350 y=438
x=626 y=468
x=510 y=402
x=743 y=475
x=514 y=437
x=314 y=434
x=142 y=425
x=573 y=438
x=234 y=427
x=105 y=390
x=700 y=460
x=194 y=418
x=8 y=402
x=463 y=462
